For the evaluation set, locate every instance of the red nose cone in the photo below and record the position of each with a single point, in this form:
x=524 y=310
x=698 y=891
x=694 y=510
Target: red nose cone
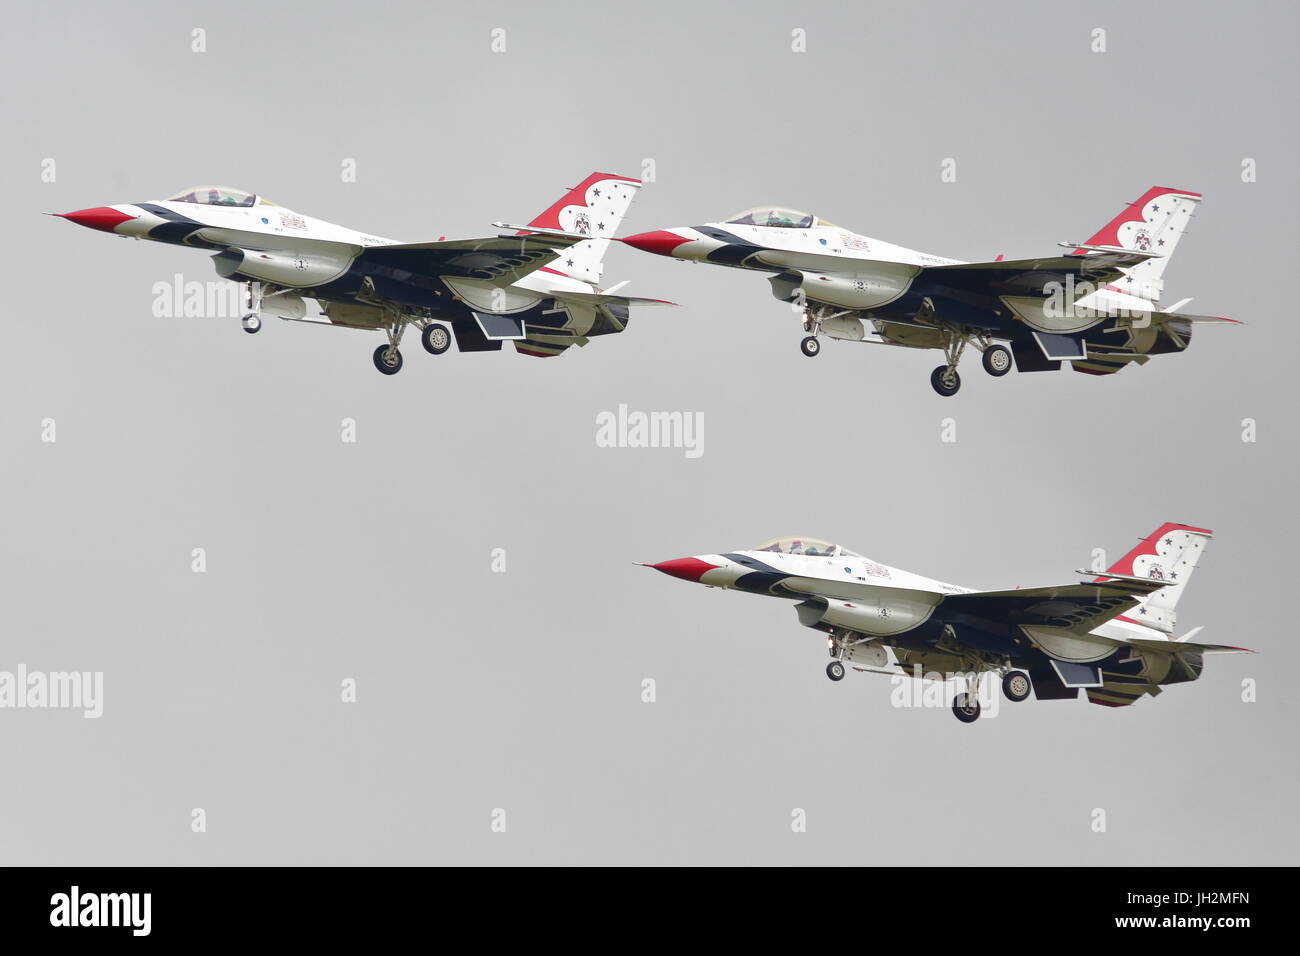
x=660 y=242
x=101 y=217
x=688 y=569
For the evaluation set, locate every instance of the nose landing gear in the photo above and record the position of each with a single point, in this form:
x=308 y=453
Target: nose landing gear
x=251 y=320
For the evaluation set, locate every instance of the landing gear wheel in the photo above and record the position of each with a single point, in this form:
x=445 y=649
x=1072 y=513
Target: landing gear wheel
x=810 y=346
x=251 y=324
x=835 y=670
x=966 y=708
x=945 y=382
x=1016 y=685
x=997 y=361
x=436 y=339
x=388 y=360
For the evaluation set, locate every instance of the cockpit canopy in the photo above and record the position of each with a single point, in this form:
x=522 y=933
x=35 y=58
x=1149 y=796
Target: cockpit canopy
x=778 y=217
x=813 y=547
x=220 y=196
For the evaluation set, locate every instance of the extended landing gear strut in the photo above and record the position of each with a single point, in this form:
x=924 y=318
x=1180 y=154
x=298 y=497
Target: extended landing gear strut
x=813 y=318
x=1016 y=686
x=251 y=320
x=811 y=346
x=966 y=705
x=996 y=359
x=388 y=358
x=945 y=379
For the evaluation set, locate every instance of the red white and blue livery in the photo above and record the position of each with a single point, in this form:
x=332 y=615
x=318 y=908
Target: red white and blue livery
x=1096 y=307
x=1111 y=636
x=536 y=285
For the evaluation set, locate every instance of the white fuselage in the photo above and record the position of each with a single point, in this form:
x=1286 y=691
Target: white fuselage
x=861 y=594
x=850 y=271
x=286 y=248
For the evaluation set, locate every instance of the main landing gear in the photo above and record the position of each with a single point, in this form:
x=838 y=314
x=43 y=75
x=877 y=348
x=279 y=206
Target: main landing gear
x=945 y=380
x=996 y=359
x=1016 y=685
x=388 y=358
x=966 y=707
x=436 y=338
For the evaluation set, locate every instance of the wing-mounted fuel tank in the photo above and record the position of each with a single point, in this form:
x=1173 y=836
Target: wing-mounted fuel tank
x=295 y=270
x=892 y=611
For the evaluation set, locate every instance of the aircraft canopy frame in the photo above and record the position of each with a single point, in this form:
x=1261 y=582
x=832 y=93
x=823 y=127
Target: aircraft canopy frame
x=802 y=544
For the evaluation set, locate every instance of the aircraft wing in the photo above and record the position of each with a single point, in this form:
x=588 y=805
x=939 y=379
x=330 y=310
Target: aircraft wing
x=500 y=260
x=1001 y=277
x=1075 y=607
x=1032 y=276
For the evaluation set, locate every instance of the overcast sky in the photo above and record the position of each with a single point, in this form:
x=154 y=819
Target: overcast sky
x=372 y=561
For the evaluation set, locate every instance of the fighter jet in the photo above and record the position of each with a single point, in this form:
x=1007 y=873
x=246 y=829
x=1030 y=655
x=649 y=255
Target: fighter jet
x=535 y=285
x=1111 y=636
x=1095 y=307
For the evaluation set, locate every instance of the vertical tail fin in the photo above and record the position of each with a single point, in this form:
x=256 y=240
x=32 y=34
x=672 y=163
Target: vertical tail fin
x=1169 y=553
x=594 y=207
x=1154 y=223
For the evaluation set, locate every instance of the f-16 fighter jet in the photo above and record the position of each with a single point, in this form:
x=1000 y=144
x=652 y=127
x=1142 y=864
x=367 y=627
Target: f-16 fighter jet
x=1111 y=636
x=1095 y=307
x=537 y=285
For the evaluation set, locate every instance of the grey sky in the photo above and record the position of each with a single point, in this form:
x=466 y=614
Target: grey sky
x=521 y=690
